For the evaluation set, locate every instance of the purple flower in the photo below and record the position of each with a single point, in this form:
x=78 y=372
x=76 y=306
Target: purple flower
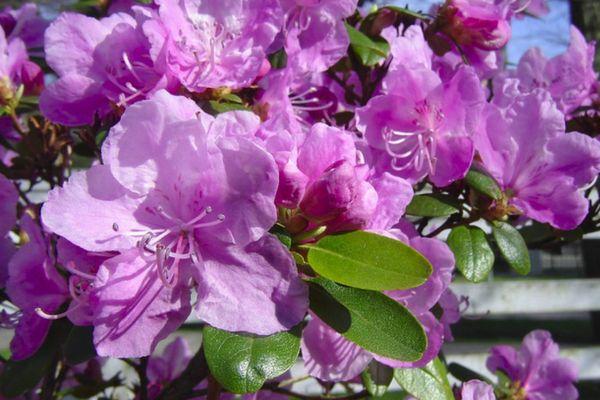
x=209 y=44
x=569 y=77
x=33 y=283
x=36 y=286
x=329 y=356
x=484 y=24
x=8 y=219
x=314 y=33
x=188 y=200
x=324 y=180
x=477 y=390
x=540 y=168
x=24 y=23
x=101 y=64
x=164 y=368
x=423 y=126
x=536 y=369
x=16 y=69
x=450 y=305
x=535 y=8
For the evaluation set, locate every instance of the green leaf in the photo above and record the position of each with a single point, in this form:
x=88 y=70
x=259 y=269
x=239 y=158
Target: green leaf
x=278 y=59
x=474 y=256
x=368 y=261
x=370 y=319
x=377 y=378
x=512 y=246
x=408 y=13
x=232 y=98
x=484 y=184
x=242 y=363
x=221 y=107
x=283 y=235
x=465 y=374
x=369 y=51
x=79 y=346
x=431 y=205
x=428 y=383
x=21 y=376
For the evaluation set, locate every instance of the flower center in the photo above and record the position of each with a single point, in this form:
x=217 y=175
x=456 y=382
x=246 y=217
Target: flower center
x=205 y=42
x=129 y=78
x=167 y=247
x=416 y=149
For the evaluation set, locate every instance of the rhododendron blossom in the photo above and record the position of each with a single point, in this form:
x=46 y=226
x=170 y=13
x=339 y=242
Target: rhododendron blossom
x=208 y=45
x=541 y=168
x=536 y=369
x=180 y=220
x=109 y=65
x=267 y=199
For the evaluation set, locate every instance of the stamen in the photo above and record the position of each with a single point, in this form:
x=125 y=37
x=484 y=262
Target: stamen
x=316 y=108
x=220 y=218
x=202 y=214
x=70 y=266
x=130 y=67
x=53 y=317
x=301 y=95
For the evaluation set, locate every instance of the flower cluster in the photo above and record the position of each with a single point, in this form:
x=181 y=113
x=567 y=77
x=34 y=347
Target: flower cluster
x=281 y=171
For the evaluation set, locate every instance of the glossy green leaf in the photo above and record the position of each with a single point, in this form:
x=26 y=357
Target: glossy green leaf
x=368 y=261
x=369 y=51
x=483 y=183
x=79 y=346
x=242 y=363
x=377 y=378
x=368 y=318
x=21 y=376
x=512 y=246
x=473 y=254
x=428 y=383
x=431 y=205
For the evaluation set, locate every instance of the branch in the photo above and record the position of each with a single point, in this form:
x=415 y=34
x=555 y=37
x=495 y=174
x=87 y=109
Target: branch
x=276 y=389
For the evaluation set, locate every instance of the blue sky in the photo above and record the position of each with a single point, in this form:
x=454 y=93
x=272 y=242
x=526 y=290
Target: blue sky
x=550 y=33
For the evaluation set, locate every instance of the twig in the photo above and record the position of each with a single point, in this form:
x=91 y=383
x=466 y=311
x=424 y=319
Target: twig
x=16 y=123
x=276 y=389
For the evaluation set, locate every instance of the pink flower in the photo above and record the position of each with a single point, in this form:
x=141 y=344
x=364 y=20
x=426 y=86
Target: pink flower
x=208 y=44
x=536 y=369
x=477 y=390
x=315 y=37
x=484 y=24
x=569 y=77
x=421 y=126
x=101 y=64
x=187 y=199
x=541 y=169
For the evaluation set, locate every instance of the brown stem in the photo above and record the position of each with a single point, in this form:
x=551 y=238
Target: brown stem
x=276 y=389
x=214 y=389
x=16 y=123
